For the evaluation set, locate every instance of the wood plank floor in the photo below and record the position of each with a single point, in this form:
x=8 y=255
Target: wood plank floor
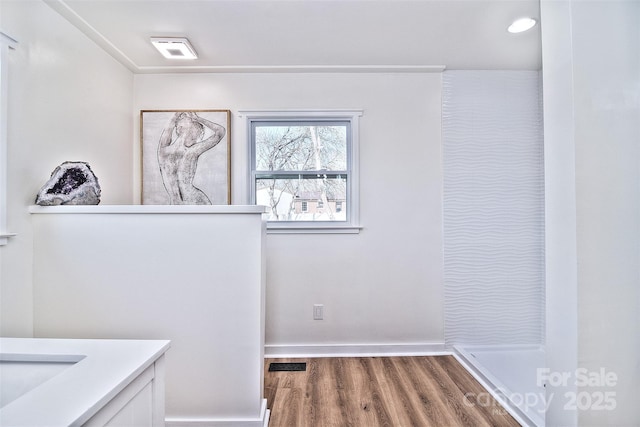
x=380 y=391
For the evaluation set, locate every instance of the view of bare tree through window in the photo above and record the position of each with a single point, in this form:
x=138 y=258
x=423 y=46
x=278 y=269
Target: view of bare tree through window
x=301 y=170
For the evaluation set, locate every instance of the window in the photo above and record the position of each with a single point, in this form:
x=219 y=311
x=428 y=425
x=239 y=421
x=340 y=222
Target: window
x=303 y=166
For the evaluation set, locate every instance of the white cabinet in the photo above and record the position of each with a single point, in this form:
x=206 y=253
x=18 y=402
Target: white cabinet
x=103 y=382
x=141 y=403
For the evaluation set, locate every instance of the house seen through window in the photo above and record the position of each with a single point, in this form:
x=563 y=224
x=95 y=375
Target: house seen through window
x=303 y=169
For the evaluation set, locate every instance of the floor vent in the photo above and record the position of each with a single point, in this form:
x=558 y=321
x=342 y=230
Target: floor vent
x=282 y=367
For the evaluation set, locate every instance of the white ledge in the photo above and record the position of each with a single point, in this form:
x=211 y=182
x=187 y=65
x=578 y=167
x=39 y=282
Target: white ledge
x=4 y=238
x=148 y=209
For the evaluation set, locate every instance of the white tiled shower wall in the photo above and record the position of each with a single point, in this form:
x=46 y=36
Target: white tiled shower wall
x=493 y=207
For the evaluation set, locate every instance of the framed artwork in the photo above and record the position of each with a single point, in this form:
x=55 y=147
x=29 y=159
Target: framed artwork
x=186 y=157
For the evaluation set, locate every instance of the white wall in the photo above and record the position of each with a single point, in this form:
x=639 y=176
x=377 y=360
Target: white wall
x=383 y=285
x=561 y=339
x=71 y=101
x=68 y=100
x=193 y=276
x=592 y=80
x=606 y=52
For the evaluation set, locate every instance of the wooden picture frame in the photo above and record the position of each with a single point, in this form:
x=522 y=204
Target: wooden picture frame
x=186 y=157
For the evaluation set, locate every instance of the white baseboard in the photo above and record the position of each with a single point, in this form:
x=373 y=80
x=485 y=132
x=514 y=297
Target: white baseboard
x=355 y=350
x=261 y=421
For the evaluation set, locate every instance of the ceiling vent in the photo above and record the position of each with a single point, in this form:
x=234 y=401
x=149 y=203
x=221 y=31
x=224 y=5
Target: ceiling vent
x=174 y=47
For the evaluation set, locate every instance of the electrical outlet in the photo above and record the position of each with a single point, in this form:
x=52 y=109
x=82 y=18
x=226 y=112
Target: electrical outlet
x=318 y=311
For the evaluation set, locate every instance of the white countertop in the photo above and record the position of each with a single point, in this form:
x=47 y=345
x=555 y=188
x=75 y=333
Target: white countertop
x=76 y=394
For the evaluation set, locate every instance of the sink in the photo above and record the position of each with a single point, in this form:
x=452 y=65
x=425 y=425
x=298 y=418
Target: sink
x=20 y=374
x=73 y=382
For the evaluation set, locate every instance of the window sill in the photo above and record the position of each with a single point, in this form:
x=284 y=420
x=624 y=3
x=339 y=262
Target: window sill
x=312 y=229
x=4 y=238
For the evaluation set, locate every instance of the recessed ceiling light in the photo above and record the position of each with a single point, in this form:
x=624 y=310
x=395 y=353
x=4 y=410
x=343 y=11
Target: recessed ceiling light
x=521 y=25
x=174 y=47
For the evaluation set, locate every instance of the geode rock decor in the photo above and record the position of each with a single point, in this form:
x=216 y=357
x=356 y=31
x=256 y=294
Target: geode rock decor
x=71 y=183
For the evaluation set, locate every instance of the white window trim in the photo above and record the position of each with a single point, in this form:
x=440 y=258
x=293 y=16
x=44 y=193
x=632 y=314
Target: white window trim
x=352 y=226
x=6 y=43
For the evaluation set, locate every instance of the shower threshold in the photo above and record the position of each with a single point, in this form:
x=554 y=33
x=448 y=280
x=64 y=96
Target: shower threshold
x=510 y=373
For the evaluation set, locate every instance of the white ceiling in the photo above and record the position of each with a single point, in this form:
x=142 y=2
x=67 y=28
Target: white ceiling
x=312 y=34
